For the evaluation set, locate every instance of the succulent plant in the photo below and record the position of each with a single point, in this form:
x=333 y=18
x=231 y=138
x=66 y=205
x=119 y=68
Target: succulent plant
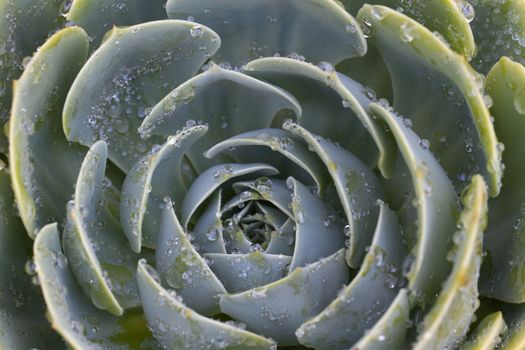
x=227 y=174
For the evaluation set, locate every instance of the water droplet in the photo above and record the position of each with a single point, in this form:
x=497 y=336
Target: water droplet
x=326 y=67
x=467 y=10
x=196 y=31
x=366 y=27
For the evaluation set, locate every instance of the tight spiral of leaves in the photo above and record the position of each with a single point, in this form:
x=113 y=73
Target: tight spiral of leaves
x=227 y=174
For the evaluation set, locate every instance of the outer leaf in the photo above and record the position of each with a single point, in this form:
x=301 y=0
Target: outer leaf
x=99 y=16
x=74 y=317
x=40 y=190
x=435 y=201
x=182 y=267
x=109 y=98
x=499 y=29
x=390 y=331
x=22 y=314
x=155 y=177
x=487 y=334
x=24 y=25
x=365 y=300
x=449 y=319
x=177 y=327
x=461 y=135
x=278 y=309
x=450 y=18
x=251 y=30
x=503 y=270
x=94 y=244
x=252 y=104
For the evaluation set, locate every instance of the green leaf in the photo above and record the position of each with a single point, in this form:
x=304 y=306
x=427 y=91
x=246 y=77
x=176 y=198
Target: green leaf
x=499 y=29
x=449 y=18
x=99 y=16
x=503 y=271
x=155 y=177
x=390 y=330
x=24 y=26
x=240 y=272
x=295 y=152
x=321 y=31
x=281 y=240
x=72 y=315
x=449 y=318
x=207 y=232
x=435 y=202
x=274 y=191
x=319 y=231
x=276 y=310
x=487 y=334
x=182 y=267
x=213 y=178
x=178 y=327
x=357 y=186
x=23 y=324
x=41 y=191
x=93 y=242
x=364 y=301
x=120 y=83
x=251 y=104
x=333 y=105
x=441 y=94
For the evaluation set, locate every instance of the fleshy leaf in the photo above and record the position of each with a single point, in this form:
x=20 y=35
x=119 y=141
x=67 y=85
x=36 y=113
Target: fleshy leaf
x=487 y=334
x=72 y=315
x=364 y=301
x=278 y=309
x=24 y=25
x=120 y=83
x=322 y=30
x=207 y=232
x=449 y=318
x=390 y=330
x=503 y=269
x=22 y=313
x=274 y=191
x=281 y=241
x=357 y=187
x=182 y=267
x=499 y=30
x=333 y=105
x=251 y=104
x=240 y=272
x=95 y=246
x=280 y=141
x=178 y=327
x=152 y=179
x=99 y=16
x=239 y=200
x=441 y=95
x=319 y=230
x=213 y=178
x=450 y=18
x=41 y=191
x=435 y=202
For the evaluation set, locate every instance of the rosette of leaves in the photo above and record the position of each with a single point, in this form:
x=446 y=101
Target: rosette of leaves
x=227 y=174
